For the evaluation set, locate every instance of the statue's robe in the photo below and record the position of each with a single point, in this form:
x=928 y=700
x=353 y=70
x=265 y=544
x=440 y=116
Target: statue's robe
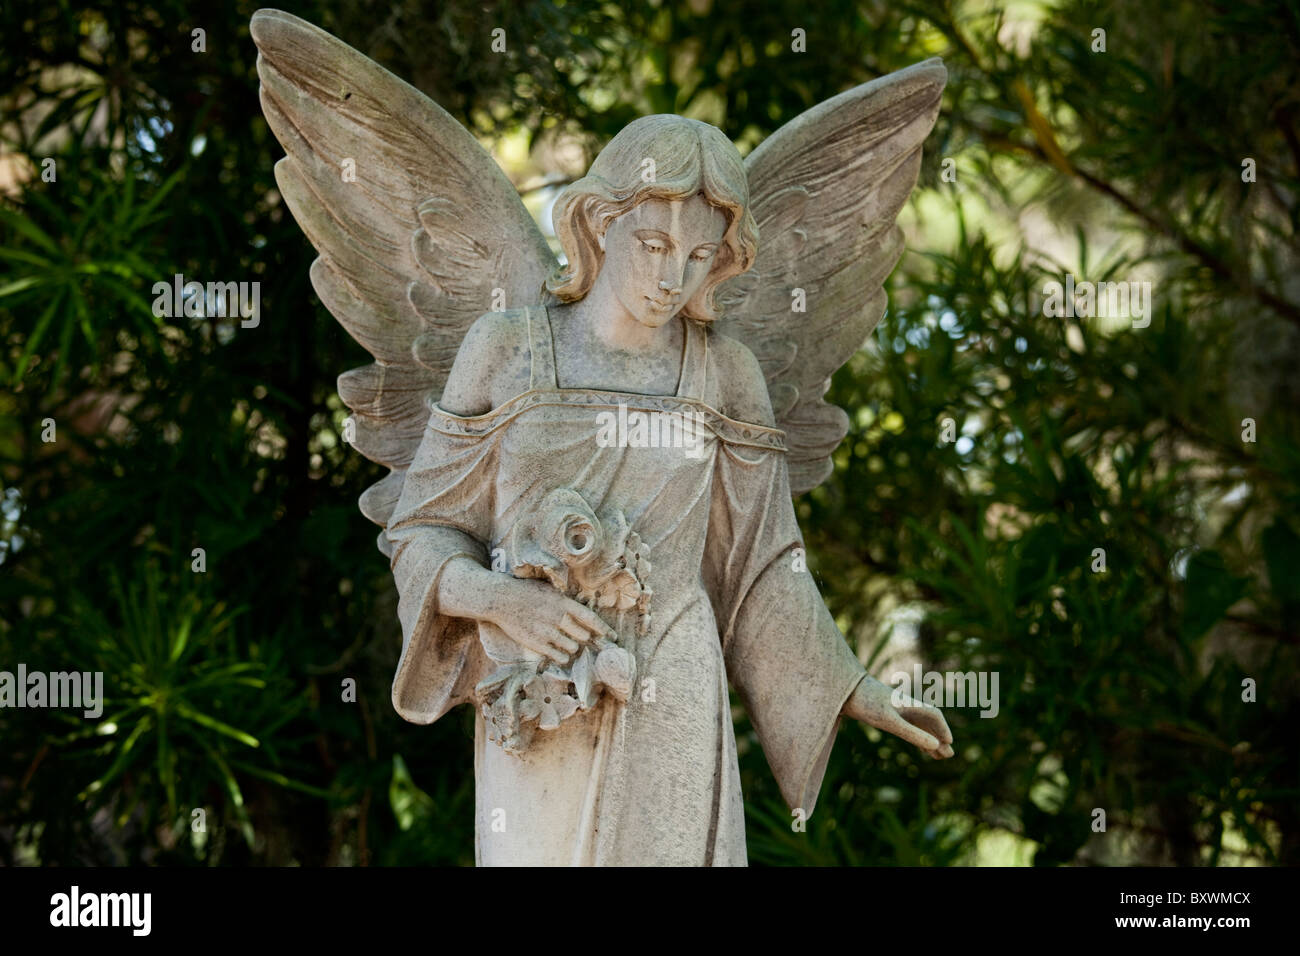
x=655 y=780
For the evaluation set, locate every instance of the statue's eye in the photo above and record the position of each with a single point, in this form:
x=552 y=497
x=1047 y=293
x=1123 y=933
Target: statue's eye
x=703 y=255
x=653 y=245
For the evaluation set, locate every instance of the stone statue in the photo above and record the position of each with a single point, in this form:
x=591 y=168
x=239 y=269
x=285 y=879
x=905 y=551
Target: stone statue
x=589 y=512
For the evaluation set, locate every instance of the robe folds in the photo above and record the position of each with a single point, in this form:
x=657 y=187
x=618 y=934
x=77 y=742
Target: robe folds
x=655 y=780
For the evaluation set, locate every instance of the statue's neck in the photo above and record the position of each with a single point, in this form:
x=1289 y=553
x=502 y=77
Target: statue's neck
x=599 y=317
x=590 y=351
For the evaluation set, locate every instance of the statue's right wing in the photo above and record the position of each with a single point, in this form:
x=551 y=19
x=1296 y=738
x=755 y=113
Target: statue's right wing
x=419 y=231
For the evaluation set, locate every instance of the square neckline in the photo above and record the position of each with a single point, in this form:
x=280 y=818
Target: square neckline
x=543 y=371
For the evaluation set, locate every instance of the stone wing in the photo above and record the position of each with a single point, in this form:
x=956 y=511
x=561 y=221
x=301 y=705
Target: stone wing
x=825 y=190
x=419 y=231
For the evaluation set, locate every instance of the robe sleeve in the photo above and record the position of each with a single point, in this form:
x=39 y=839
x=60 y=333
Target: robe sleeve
x=444 y=513
x=784 y=653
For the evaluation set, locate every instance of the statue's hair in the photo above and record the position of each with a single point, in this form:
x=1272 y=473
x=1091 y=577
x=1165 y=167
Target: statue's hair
x=689 y=158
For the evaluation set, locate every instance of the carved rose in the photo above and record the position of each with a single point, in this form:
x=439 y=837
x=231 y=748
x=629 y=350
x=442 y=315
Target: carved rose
x=599 y=561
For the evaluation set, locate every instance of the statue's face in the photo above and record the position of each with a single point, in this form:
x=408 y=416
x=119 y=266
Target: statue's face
x=659 y=253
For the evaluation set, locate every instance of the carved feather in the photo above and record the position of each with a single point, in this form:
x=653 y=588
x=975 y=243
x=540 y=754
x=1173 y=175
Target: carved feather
x=417 y=228
x=825 y=190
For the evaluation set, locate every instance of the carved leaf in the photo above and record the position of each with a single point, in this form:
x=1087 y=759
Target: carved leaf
x=584 y=680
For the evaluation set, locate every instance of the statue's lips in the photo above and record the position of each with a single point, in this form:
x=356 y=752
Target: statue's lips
x=659 y=305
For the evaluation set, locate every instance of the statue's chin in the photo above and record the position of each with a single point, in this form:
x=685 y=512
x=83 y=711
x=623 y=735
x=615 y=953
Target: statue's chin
x=654 y=314
x=655 y=319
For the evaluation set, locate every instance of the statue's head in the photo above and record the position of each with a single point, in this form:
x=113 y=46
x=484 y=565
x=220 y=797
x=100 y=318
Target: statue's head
x=663 y=215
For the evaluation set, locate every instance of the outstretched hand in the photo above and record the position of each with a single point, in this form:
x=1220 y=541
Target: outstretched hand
x=920 y=724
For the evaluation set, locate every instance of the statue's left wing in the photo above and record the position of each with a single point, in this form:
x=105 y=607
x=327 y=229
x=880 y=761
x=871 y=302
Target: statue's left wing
x=825 y=190
x=419 y=231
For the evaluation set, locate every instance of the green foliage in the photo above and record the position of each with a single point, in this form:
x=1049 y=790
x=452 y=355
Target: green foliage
x=1120 y=689
x=76 y=261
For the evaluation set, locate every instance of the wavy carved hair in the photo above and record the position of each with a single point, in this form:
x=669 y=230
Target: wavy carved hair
x=690 y=158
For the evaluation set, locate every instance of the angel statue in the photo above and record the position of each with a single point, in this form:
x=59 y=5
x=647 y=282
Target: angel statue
x=589 y=513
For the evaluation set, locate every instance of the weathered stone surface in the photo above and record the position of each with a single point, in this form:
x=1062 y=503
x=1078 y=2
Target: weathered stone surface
x=589 y=514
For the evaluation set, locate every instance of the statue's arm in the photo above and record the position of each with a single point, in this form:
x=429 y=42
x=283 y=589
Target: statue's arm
x=745 y=398
x=531 y=613
x=491 y=366
x=744 y=391
x=463 y=584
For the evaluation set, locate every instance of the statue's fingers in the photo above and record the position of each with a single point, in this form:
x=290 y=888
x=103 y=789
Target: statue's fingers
x=588 y=619
x=575 y=630
x=548 y=650
x=944 y=734
x=900 y=728
x=558 y=656
x=930 y=718
x=564 y=643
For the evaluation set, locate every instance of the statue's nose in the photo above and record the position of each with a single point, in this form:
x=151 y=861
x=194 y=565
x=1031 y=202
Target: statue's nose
x=674 y=288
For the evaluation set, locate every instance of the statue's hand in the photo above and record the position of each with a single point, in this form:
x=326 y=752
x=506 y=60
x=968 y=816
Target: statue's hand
x=917 y=723
x=531 y=613
x=536 y=616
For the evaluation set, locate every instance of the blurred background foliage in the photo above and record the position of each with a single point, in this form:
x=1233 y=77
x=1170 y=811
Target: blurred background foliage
x=994 y=449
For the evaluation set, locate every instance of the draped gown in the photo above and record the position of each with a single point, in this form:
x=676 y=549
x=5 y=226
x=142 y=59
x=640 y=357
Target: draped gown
x=654 y=780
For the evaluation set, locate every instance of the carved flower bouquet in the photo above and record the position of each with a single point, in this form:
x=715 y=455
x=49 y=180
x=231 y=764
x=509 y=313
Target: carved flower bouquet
x=599 y=562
